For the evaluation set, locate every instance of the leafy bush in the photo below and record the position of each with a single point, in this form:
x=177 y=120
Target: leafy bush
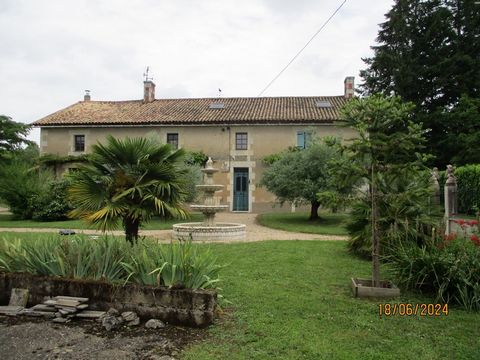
x=449 y=268
x=52 y=204
x=113 y=260
x=407 y=213
x=19 y=186
x=468 y=188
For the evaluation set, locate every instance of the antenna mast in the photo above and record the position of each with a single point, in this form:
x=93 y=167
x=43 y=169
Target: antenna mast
x=145 y=74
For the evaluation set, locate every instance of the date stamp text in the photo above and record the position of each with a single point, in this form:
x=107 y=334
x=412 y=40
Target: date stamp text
x=406 y=309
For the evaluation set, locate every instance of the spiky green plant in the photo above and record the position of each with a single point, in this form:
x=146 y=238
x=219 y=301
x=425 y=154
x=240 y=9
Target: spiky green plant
x=113 y=260
x=128 y=181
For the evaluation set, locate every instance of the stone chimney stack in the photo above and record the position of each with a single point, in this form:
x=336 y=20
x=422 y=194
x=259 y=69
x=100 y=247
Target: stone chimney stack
x=349 y=86
x=86 y=97
x=148 y=91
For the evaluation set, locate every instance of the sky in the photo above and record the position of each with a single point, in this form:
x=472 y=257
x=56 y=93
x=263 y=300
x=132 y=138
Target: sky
x=53 y=50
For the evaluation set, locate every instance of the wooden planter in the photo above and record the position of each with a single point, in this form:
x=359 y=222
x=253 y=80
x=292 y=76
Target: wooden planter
x=363 y=288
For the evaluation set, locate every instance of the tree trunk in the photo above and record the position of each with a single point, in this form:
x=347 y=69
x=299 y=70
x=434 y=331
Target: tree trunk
x=131 y=229
x=314 y=210
x=375 y=234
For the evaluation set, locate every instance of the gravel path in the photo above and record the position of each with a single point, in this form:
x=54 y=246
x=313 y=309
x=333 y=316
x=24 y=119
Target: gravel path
x=255 y=232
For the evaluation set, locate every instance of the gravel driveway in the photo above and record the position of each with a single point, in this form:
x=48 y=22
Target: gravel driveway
x=255 y=232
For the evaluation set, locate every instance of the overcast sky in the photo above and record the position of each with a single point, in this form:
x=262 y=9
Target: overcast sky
x=52 y=50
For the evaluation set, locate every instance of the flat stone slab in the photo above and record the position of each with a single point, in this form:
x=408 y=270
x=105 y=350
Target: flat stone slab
x=18 y=297
x=10 y=310
x=90 y=314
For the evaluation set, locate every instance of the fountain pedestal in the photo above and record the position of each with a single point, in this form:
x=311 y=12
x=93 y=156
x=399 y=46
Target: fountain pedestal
x=209 y=229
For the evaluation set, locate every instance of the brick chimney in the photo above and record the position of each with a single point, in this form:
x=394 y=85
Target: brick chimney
x=349 y=86
x=86 y=97
x=148 y=91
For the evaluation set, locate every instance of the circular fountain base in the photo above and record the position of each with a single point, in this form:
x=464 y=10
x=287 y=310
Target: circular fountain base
x=200 y=232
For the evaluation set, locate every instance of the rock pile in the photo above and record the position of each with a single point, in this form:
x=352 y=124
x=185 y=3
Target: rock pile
x=61 y=309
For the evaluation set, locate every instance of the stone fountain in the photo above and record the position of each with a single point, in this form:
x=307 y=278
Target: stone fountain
x=209 y=229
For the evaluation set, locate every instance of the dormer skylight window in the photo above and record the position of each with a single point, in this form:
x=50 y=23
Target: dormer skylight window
x=323 y=104
x=217 y=105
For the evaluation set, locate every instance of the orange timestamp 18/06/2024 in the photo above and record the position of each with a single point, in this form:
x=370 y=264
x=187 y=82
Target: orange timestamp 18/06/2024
x=406 y=309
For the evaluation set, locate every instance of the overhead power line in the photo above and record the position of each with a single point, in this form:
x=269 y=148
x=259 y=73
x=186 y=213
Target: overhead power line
x=303 y=48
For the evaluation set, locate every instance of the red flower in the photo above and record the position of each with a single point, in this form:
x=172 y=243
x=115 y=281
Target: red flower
x=472 y=222
x=475 y=239
x=460 y=222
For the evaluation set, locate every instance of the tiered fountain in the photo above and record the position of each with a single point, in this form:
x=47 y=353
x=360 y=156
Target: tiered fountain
x=208 y=229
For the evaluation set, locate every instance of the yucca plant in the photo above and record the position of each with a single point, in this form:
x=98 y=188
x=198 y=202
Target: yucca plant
x=128 y=181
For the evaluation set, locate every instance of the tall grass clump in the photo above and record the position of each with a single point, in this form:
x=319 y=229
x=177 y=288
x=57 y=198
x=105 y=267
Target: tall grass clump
x=110 y=259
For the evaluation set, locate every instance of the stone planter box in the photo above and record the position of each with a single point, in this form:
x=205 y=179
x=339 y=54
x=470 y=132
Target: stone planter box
x=176 y=306
x=363 y=288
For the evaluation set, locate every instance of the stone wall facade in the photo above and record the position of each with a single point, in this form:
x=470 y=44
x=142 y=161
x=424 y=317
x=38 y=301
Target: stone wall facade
x=217 y=141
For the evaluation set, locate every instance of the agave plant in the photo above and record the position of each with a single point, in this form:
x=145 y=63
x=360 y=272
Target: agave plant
x=128 y=181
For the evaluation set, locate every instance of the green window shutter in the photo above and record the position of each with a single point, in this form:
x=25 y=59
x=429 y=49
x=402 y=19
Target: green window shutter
x=301 y=139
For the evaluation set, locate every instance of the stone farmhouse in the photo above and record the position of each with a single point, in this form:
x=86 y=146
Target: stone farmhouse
x=236 y=132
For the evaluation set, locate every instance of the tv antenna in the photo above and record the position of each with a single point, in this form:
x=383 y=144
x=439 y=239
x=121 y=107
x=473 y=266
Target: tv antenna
x=145 y=74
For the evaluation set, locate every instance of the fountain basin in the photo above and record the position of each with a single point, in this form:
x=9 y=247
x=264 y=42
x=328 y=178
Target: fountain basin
x=200 y=232
x=209 y=209
x=209 y=187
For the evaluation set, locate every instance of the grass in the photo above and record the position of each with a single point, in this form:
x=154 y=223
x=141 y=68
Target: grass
x=328 y=224
x=7 y=221
x=292 y=300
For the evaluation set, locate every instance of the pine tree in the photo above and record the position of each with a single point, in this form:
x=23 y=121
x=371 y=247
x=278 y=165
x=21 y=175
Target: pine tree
x=429 y=54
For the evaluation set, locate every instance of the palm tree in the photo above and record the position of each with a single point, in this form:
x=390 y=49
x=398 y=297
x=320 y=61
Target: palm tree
x=129 y=180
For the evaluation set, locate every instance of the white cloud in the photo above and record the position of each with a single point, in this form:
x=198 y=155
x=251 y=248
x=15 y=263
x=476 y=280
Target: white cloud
x=53 y=50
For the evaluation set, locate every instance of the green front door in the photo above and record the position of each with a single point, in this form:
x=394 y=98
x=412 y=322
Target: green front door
x=240 y=189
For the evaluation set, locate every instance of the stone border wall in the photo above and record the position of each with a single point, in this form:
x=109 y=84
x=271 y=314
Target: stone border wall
x=176 y=306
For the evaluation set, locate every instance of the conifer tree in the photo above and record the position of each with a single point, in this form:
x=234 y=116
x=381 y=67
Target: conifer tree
x=428 y=53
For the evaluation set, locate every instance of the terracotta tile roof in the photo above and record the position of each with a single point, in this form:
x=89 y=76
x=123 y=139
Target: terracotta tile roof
x=197 y=111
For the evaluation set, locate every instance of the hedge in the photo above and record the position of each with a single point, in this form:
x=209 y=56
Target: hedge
x=468 y=183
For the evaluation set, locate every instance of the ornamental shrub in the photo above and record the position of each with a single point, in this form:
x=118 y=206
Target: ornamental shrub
x=407 y=213
x=448 y=267
x=52 y=204
x=20 y=184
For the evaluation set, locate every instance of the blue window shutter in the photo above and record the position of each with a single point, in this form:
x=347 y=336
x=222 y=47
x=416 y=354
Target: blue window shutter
x=301 y=139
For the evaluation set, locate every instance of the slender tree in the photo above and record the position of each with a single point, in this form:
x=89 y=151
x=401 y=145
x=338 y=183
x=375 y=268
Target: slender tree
x=388 y=143
x=129 y=181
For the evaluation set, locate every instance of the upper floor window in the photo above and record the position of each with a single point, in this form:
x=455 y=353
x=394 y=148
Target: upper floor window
x=241 y=141
x=79 y=142
x=303 y=139
x=172 y=139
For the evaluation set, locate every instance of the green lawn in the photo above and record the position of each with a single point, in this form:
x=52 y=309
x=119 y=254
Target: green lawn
x=6 y=221
x=292 y=300
x=328 y=224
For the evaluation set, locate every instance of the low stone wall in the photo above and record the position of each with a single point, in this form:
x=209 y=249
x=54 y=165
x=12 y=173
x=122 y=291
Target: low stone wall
x=175 y=306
